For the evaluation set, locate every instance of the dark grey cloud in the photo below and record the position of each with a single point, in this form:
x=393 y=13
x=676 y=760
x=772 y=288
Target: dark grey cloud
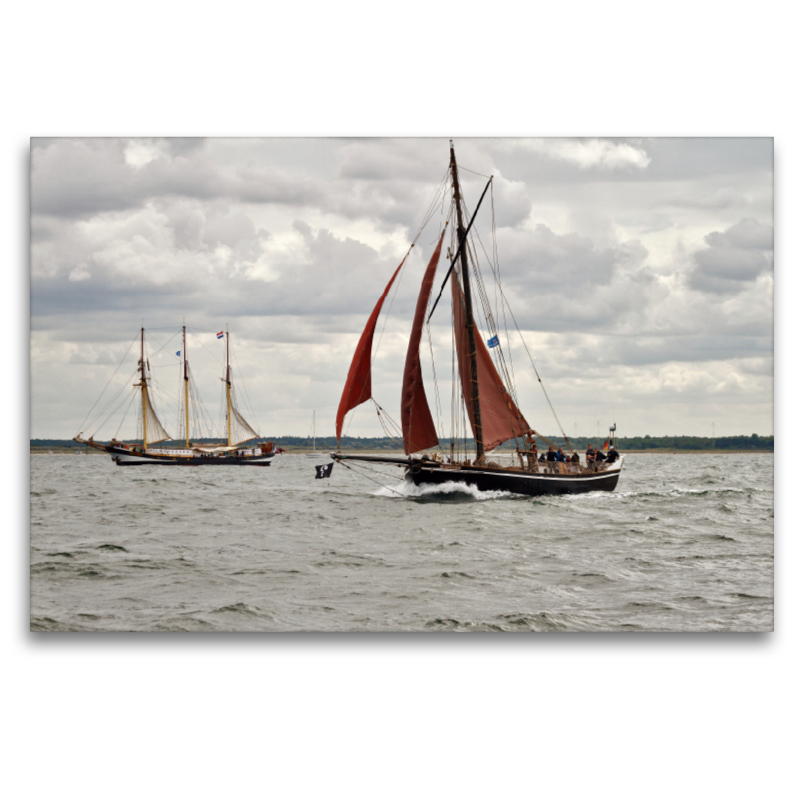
x=734 y=257
x=80 y=177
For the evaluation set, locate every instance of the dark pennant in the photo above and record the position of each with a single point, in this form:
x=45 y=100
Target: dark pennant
x=324 y=470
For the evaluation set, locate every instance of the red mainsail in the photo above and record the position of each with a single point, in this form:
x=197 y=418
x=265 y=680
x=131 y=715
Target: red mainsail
x=358 y=387
x=419 y=431
x=500 y=418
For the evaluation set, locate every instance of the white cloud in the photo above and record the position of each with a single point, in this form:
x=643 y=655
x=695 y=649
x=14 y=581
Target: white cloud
x=139 y=152
x=587 y=153
x=79 y=274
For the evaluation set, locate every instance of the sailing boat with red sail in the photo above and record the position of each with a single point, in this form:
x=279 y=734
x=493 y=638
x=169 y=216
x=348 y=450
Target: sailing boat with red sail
x=484 y=389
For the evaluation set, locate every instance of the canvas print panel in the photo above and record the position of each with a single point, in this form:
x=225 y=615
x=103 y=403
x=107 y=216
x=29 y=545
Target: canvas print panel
x=402 y=384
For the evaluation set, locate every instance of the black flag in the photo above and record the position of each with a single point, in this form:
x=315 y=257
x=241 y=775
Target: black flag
x=324 y=470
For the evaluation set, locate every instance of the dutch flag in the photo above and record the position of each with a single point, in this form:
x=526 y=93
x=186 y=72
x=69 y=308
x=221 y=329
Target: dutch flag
x=220 y=335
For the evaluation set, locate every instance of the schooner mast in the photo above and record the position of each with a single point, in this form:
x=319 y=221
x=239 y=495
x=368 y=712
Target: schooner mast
x=144 y=397
x=228 y=379
x=474 y=400
x=186 y=387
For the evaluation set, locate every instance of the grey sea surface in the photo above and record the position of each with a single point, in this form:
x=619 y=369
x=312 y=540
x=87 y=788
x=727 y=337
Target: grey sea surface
x=685 y=543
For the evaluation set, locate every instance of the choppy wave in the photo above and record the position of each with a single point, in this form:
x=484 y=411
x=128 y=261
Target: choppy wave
x=687 y=546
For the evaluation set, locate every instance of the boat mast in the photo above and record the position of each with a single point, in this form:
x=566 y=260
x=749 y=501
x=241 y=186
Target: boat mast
x=144 y=398
x=228 y=378
x=313 y=430
x=186 y=386
x=473 y=350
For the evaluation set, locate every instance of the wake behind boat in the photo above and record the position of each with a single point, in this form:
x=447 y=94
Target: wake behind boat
x=240 y=447
x=484 y=389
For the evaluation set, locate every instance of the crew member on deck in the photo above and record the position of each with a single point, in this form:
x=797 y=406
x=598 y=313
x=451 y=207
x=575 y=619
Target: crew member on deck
x=613 y=455
x=589 y=455
x=599 y=458
x=551 y=454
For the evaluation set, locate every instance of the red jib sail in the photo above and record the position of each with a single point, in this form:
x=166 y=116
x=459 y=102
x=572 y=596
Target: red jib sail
x=500 y=418
x=419 y=430
x=358 y=387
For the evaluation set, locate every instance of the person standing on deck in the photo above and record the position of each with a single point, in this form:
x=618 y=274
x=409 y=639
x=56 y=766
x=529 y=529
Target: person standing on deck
x=599 y=458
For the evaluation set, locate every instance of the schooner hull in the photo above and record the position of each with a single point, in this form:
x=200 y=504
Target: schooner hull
x=127 y=460
x=126 y=457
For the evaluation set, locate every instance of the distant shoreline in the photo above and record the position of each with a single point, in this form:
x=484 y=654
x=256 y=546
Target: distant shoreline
x=650 y=452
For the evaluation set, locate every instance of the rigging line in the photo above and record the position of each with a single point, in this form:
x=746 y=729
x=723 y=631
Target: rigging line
x=434 y=203
x=125 y=415
x=375 y=349
x=111 y=403
x=202 y=419
x=485 y=305
x=397 y=430
x=467 y=169
x=114 y=411
x=435 y=384
x=160 y=393
x=153 y=338
x=460 y=245
x=200 y=330
x=498 y=284
x=135 y=338
x=530 y=357
x=241 y=382
x=211 y=352
x=357 y=472
x=426 y=220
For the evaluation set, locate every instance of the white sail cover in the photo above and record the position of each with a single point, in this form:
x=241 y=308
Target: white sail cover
x=240 y=428
x=155 y=430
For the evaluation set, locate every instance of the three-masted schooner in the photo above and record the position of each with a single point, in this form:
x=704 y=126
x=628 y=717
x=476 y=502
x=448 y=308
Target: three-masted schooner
x=241 y=446
x=493 y=413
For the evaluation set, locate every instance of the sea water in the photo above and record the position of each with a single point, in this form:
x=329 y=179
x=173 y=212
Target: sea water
x=685 y=543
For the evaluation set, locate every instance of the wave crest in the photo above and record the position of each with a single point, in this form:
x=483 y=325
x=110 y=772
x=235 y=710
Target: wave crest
x=451 y=491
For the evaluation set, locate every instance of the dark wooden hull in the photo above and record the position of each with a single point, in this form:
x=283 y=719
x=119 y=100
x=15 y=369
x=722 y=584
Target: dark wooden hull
x=532 y=484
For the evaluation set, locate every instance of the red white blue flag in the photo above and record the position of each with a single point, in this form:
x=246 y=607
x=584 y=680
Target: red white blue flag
x=220 y=335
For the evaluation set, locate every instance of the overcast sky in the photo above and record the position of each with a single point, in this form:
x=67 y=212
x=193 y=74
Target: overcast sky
x=640 y=272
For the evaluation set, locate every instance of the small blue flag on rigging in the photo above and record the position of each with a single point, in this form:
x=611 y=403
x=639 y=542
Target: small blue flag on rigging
x=493 y=342
x=178 y=353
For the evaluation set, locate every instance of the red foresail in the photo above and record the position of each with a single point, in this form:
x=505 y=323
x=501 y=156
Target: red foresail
x=358 y=387
x=419 y=431
x=500 y=418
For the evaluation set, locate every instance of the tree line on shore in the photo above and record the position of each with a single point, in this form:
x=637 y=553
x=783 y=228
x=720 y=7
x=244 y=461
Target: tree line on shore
x=625 y=444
